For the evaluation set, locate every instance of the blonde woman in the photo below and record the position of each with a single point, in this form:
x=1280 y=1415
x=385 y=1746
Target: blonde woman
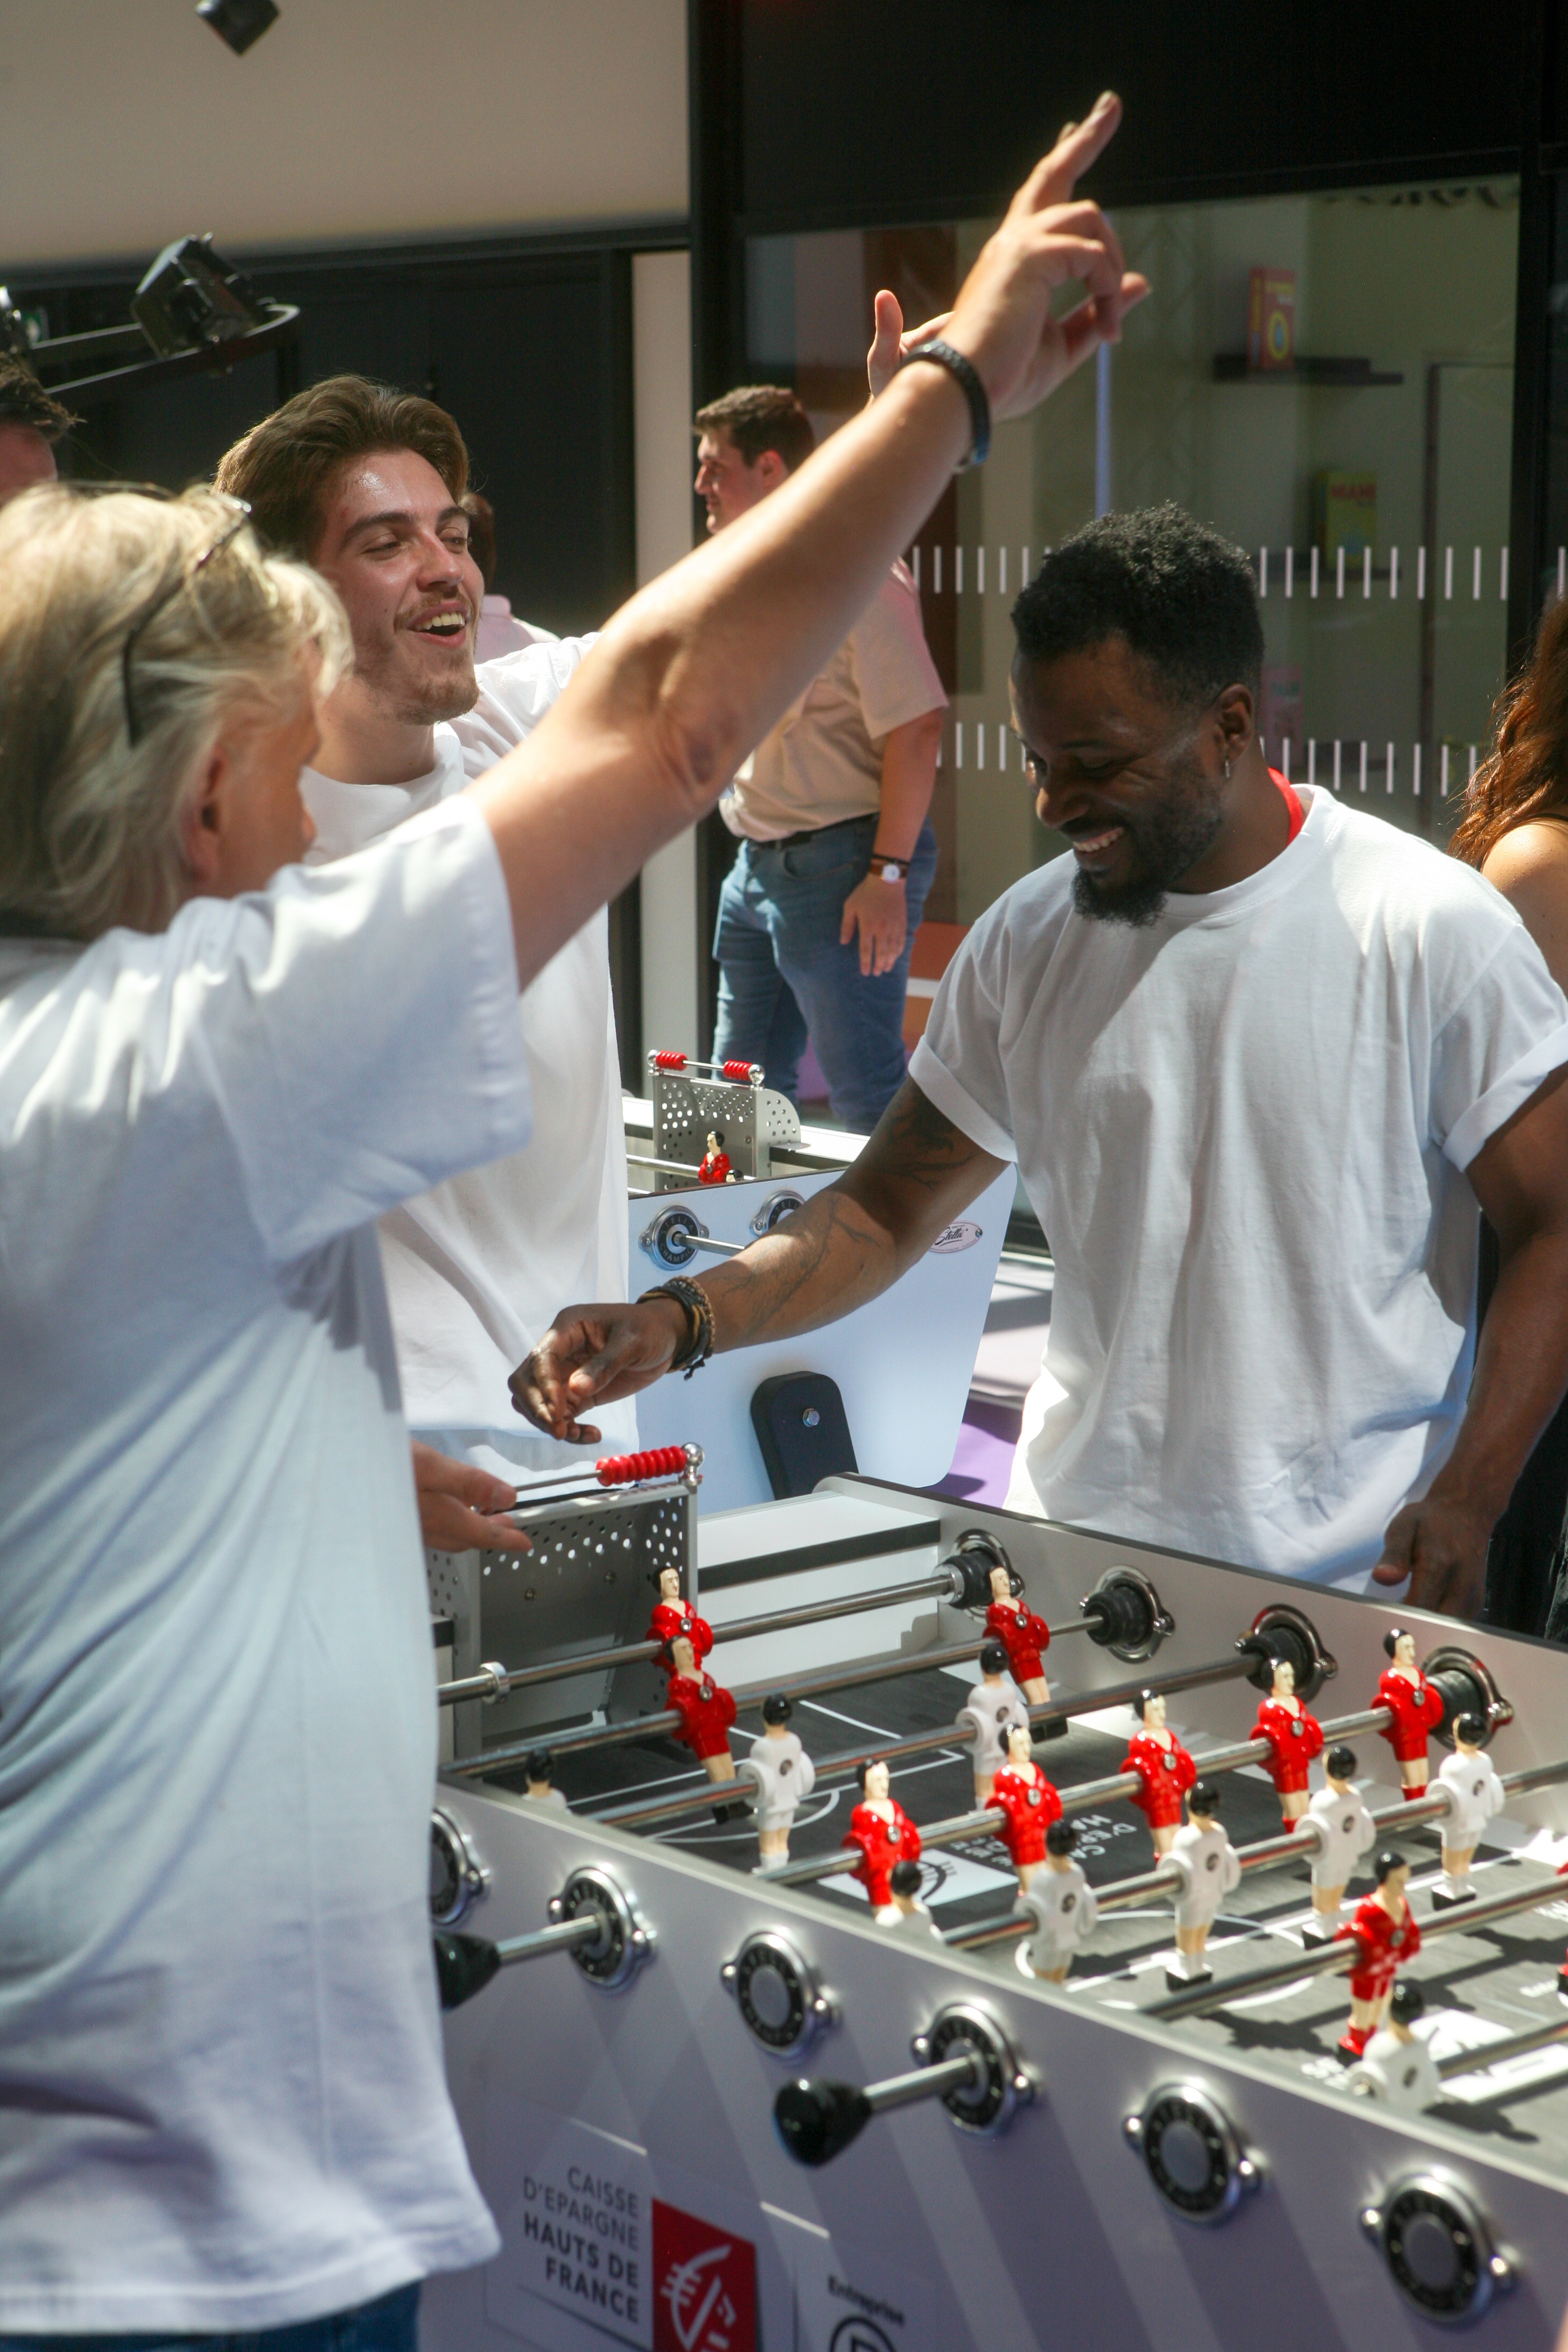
x=222 y=2102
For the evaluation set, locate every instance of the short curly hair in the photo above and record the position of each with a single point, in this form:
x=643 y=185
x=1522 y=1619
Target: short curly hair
x=1179 y=595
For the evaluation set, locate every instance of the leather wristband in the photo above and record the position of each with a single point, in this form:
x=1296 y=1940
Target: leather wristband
x=942 y=355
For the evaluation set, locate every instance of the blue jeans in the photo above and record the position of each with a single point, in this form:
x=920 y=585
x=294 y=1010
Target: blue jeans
x=388 y=2325
x=783 y=974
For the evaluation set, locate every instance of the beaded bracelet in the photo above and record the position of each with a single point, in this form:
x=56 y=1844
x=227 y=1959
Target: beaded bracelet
x=697 y=1346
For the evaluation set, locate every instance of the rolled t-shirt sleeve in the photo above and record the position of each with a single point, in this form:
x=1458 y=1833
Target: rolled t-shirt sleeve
x=895 y=676
x=957 y=1063
x=1501 y=1043
x=358 y=1027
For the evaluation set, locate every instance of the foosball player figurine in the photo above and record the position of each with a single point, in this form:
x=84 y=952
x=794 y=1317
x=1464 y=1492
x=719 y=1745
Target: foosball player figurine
x=1022 y=1634
x=1210 y=1871
x=1065 y=1912
x=1163 y=1766
x=913 y=1917
x=1398 y=2068
x=714 y=1168
x=1470 y=1781
x=1295 y=1739
x=1417 y=1708
x=882 y=1833
x=539 y=1779
x=993 y=1705
x=785 y=1775
x=1028 y=1805
x=706 y=1710
x=1343 y=1830
x=674 y=1615
x=1385 y=1931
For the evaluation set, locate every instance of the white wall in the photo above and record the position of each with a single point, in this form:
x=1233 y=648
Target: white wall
x=661 y=348
x=126 y=123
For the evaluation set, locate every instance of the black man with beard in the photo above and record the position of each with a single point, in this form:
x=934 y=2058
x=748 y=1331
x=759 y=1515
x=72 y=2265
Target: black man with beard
x=1257 y=1055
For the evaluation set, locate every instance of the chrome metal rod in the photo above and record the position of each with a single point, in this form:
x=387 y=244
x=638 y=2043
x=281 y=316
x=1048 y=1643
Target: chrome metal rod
x=1488 y=2054
x=1055 y=1710
x=968 y=2068
x=1266 y=1854
x=780 y=1620
x=1343 y=1953
x=587 y=1928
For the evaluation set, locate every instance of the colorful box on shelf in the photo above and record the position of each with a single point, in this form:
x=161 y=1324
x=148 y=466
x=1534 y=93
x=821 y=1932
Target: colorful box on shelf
x=1344 y=513
x=1270 y=319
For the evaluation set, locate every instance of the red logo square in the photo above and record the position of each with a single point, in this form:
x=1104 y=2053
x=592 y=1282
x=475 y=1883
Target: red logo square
x=705 y=2285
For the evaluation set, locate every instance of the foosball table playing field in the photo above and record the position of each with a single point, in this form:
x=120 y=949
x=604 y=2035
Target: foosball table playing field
x=943 y=1927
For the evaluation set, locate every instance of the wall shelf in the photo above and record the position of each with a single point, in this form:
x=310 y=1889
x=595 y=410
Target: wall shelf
x=1333 y=375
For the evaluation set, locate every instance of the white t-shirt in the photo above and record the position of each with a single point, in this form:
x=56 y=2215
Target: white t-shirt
x=1474 y=1793
x=1343 y=1830
x=223 y=2102
x=1210 y=1871
x=1066 y=1915
x=1243 y=1129
x=993 y=1713
x=477 y=1269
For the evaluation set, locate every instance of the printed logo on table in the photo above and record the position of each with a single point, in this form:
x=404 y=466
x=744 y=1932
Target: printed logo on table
x=705 y=2285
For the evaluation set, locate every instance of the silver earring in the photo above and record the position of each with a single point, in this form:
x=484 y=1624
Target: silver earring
x=1228 y=772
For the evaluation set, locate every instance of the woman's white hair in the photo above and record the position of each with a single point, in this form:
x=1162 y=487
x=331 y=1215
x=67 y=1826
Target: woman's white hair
x=90 y=820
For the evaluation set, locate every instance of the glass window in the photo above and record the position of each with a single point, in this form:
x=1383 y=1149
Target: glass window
x=1327 y=379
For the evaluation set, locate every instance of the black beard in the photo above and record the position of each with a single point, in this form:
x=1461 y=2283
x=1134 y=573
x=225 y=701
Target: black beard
x=1166 y=844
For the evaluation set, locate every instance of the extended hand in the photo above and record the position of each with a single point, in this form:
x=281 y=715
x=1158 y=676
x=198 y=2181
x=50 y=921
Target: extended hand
x=890 y=346
x=1002 y=321
x=592 y=1355
x=1441 y=1546
x=878 y=909
x=459 y=1505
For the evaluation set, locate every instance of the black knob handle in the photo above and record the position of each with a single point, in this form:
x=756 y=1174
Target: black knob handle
x=816 y=2120
x=464 y=1966
x=1118 y=1615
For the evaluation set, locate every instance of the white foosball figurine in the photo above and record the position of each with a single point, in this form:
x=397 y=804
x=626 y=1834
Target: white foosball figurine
x=785 y=1775
x=1210 y=1871
x=1470 y=1781
x=1065 y=1912
x=1342 y=1830
x=1396 y=2068
x=993 y=1706
x=539 y=1779
x=913 y=1918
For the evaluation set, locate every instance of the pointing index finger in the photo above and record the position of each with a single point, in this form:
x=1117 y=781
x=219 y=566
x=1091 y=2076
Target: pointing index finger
x=1054 y=177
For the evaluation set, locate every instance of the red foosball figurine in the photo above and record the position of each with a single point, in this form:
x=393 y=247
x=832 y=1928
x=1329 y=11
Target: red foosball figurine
x=1417 y=1708
x=1022 y=1634
x=674 y=1617
x=1294 y=1738
x=1387 y=1936
x=1163 y=1766
x=883 y=1834
x=705 y=1708
x=1029 y=1803
x=713 y=1168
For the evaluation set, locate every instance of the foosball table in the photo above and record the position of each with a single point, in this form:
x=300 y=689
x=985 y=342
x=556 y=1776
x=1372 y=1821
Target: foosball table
x=947 y=1929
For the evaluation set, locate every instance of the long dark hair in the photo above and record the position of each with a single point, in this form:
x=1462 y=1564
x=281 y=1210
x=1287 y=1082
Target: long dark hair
x=1526 y=775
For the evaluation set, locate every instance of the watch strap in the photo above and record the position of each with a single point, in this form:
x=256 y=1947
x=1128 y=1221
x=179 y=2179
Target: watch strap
x=964 y=375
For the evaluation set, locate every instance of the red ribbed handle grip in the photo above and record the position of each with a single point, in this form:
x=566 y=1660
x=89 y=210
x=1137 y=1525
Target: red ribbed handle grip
x=622 y=1469
x=669 y=1061
x=741 y=1070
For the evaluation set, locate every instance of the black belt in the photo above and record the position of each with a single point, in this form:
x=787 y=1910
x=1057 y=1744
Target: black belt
x=812 y=832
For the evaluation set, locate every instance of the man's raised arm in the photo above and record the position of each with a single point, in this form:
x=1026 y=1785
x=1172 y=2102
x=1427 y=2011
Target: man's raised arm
x=693 y=672
x=917 y=1173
